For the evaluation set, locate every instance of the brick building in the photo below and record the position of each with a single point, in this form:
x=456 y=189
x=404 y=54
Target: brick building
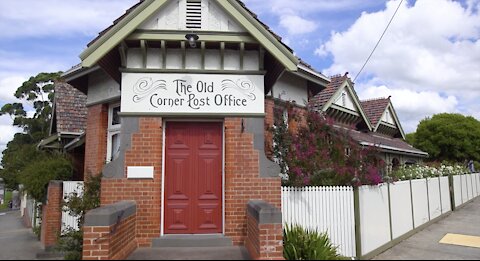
x=180 y=97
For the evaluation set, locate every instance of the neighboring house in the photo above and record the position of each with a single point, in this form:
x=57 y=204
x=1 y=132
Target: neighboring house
x=67 y=129
x=180 y=97
x=371 y=123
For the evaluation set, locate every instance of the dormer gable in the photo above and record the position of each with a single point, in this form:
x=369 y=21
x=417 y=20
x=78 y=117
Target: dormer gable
x=383 y=117
x=340 y=102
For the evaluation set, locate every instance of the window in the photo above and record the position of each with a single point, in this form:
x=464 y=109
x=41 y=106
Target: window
x=344 y=99
x=348 y=151
x=113 y=138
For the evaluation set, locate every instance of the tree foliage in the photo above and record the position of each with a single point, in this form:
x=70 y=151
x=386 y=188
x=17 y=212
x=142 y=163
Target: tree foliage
x=36 y=94
x=449 y=137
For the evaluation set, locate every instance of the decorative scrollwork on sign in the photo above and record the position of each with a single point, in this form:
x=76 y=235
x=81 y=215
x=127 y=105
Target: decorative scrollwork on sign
x=246 y=87
x=146 y=86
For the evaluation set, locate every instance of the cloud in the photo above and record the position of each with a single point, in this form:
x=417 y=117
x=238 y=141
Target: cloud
x=411 y=106
x=428 y=61
x=296 y=25
x=29 y=18
x=7 y=131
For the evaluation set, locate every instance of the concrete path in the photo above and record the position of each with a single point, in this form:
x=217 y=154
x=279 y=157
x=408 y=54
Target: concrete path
x=192 y=253
x=425 y=245
x=16 y=241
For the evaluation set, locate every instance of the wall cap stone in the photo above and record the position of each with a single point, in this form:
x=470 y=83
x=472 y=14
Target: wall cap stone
x=264 y=213
x=111 y=214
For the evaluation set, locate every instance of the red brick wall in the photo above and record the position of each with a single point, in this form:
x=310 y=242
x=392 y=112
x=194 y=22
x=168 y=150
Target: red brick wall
x=99 y=243
x=242 y=180
x=146 y=151
x=52 y=215
x=96 y=139
x=264 y=241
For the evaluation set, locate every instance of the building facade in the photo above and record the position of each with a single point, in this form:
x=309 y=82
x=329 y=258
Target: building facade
x=180 y=98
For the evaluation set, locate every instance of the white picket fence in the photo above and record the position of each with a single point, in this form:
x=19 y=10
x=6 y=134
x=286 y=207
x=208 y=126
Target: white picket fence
x=69 y=187
x=386 y=212
x=325 y=209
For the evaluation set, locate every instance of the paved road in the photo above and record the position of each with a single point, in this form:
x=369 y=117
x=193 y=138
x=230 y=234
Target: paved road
x=425 y=246
x=16 y=241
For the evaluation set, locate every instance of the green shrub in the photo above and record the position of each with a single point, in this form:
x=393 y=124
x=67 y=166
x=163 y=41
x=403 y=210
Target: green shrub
x=71 y=243
x=302 y=244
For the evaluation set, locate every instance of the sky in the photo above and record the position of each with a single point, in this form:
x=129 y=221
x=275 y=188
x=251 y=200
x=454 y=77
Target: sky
x=428 y=61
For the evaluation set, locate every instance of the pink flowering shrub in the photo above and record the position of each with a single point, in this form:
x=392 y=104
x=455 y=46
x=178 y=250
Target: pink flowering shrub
x=317 y=154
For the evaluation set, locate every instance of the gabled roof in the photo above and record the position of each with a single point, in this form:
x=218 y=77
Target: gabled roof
x=324 y=100
x=376 y=108
x=321 y=99
x=135 y=16
x=69 y=110
x=385 y=143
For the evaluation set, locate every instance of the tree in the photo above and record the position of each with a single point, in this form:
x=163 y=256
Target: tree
x=21 y=153
x=411 y=138
x=449 y=137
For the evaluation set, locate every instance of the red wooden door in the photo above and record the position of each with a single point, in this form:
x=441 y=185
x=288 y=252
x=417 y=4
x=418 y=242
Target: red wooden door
x=193 y=178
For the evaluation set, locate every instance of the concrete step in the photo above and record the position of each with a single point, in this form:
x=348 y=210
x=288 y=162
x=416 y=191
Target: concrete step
x=192 y=241
x=190 y=253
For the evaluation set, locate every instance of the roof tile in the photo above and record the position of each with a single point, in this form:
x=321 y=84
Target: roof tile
x=375 y=108
x=70 y=108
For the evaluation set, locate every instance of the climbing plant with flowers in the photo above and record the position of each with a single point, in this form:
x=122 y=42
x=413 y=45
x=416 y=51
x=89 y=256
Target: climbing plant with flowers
x=314 y=153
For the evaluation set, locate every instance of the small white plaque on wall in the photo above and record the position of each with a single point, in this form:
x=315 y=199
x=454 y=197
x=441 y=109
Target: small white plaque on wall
x=140 y=172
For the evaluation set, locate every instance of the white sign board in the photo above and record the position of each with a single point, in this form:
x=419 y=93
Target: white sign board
x=158 y=93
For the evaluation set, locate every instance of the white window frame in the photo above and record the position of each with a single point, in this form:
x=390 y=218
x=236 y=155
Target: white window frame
x=112 y=131
x=344 y=99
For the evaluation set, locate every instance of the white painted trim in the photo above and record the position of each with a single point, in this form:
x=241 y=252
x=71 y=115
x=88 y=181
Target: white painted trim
x=392 y=148
x=112 y=130
x=164 y=128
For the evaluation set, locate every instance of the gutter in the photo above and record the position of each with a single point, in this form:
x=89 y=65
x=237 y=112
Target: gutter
x=424 y=154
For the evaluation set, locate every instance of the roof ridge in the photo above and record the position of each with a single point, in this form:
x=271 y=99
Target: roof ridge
x=376 y=99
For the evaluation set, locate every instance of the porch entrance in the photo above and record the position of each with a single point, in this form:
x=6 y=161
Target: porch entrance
x=193 y=178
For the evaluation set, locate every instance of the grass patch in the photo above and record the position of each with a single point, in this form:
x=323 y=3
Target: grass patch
x=8 y=197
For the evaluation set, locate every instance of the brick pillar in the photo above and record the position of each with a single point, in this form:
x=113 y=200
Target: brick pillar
x=52 y=215
x=109 y=232
x=264 y=231
x=96 y=139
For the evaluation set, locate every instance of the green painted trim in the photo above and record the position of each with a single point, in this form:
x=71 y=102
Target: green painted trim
x=261 y=59
x=138 y=70
x=242 y=56
x=358 y=225
x=390 y=210
x=428 y=199
x=395 y=118
x=120 y=31
x=398 y=240
x=388 y=124
x=164 y=54
x=259 y=32
x=411 y=200
x=123 y=54
x=440 y=191
x=184 y=55
x=180 y=36
x=143 y=47
x=222 y=55
x=191 y=115
x=355 y=99
x=203 y=48
x=451 y=185
x=343 y=109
